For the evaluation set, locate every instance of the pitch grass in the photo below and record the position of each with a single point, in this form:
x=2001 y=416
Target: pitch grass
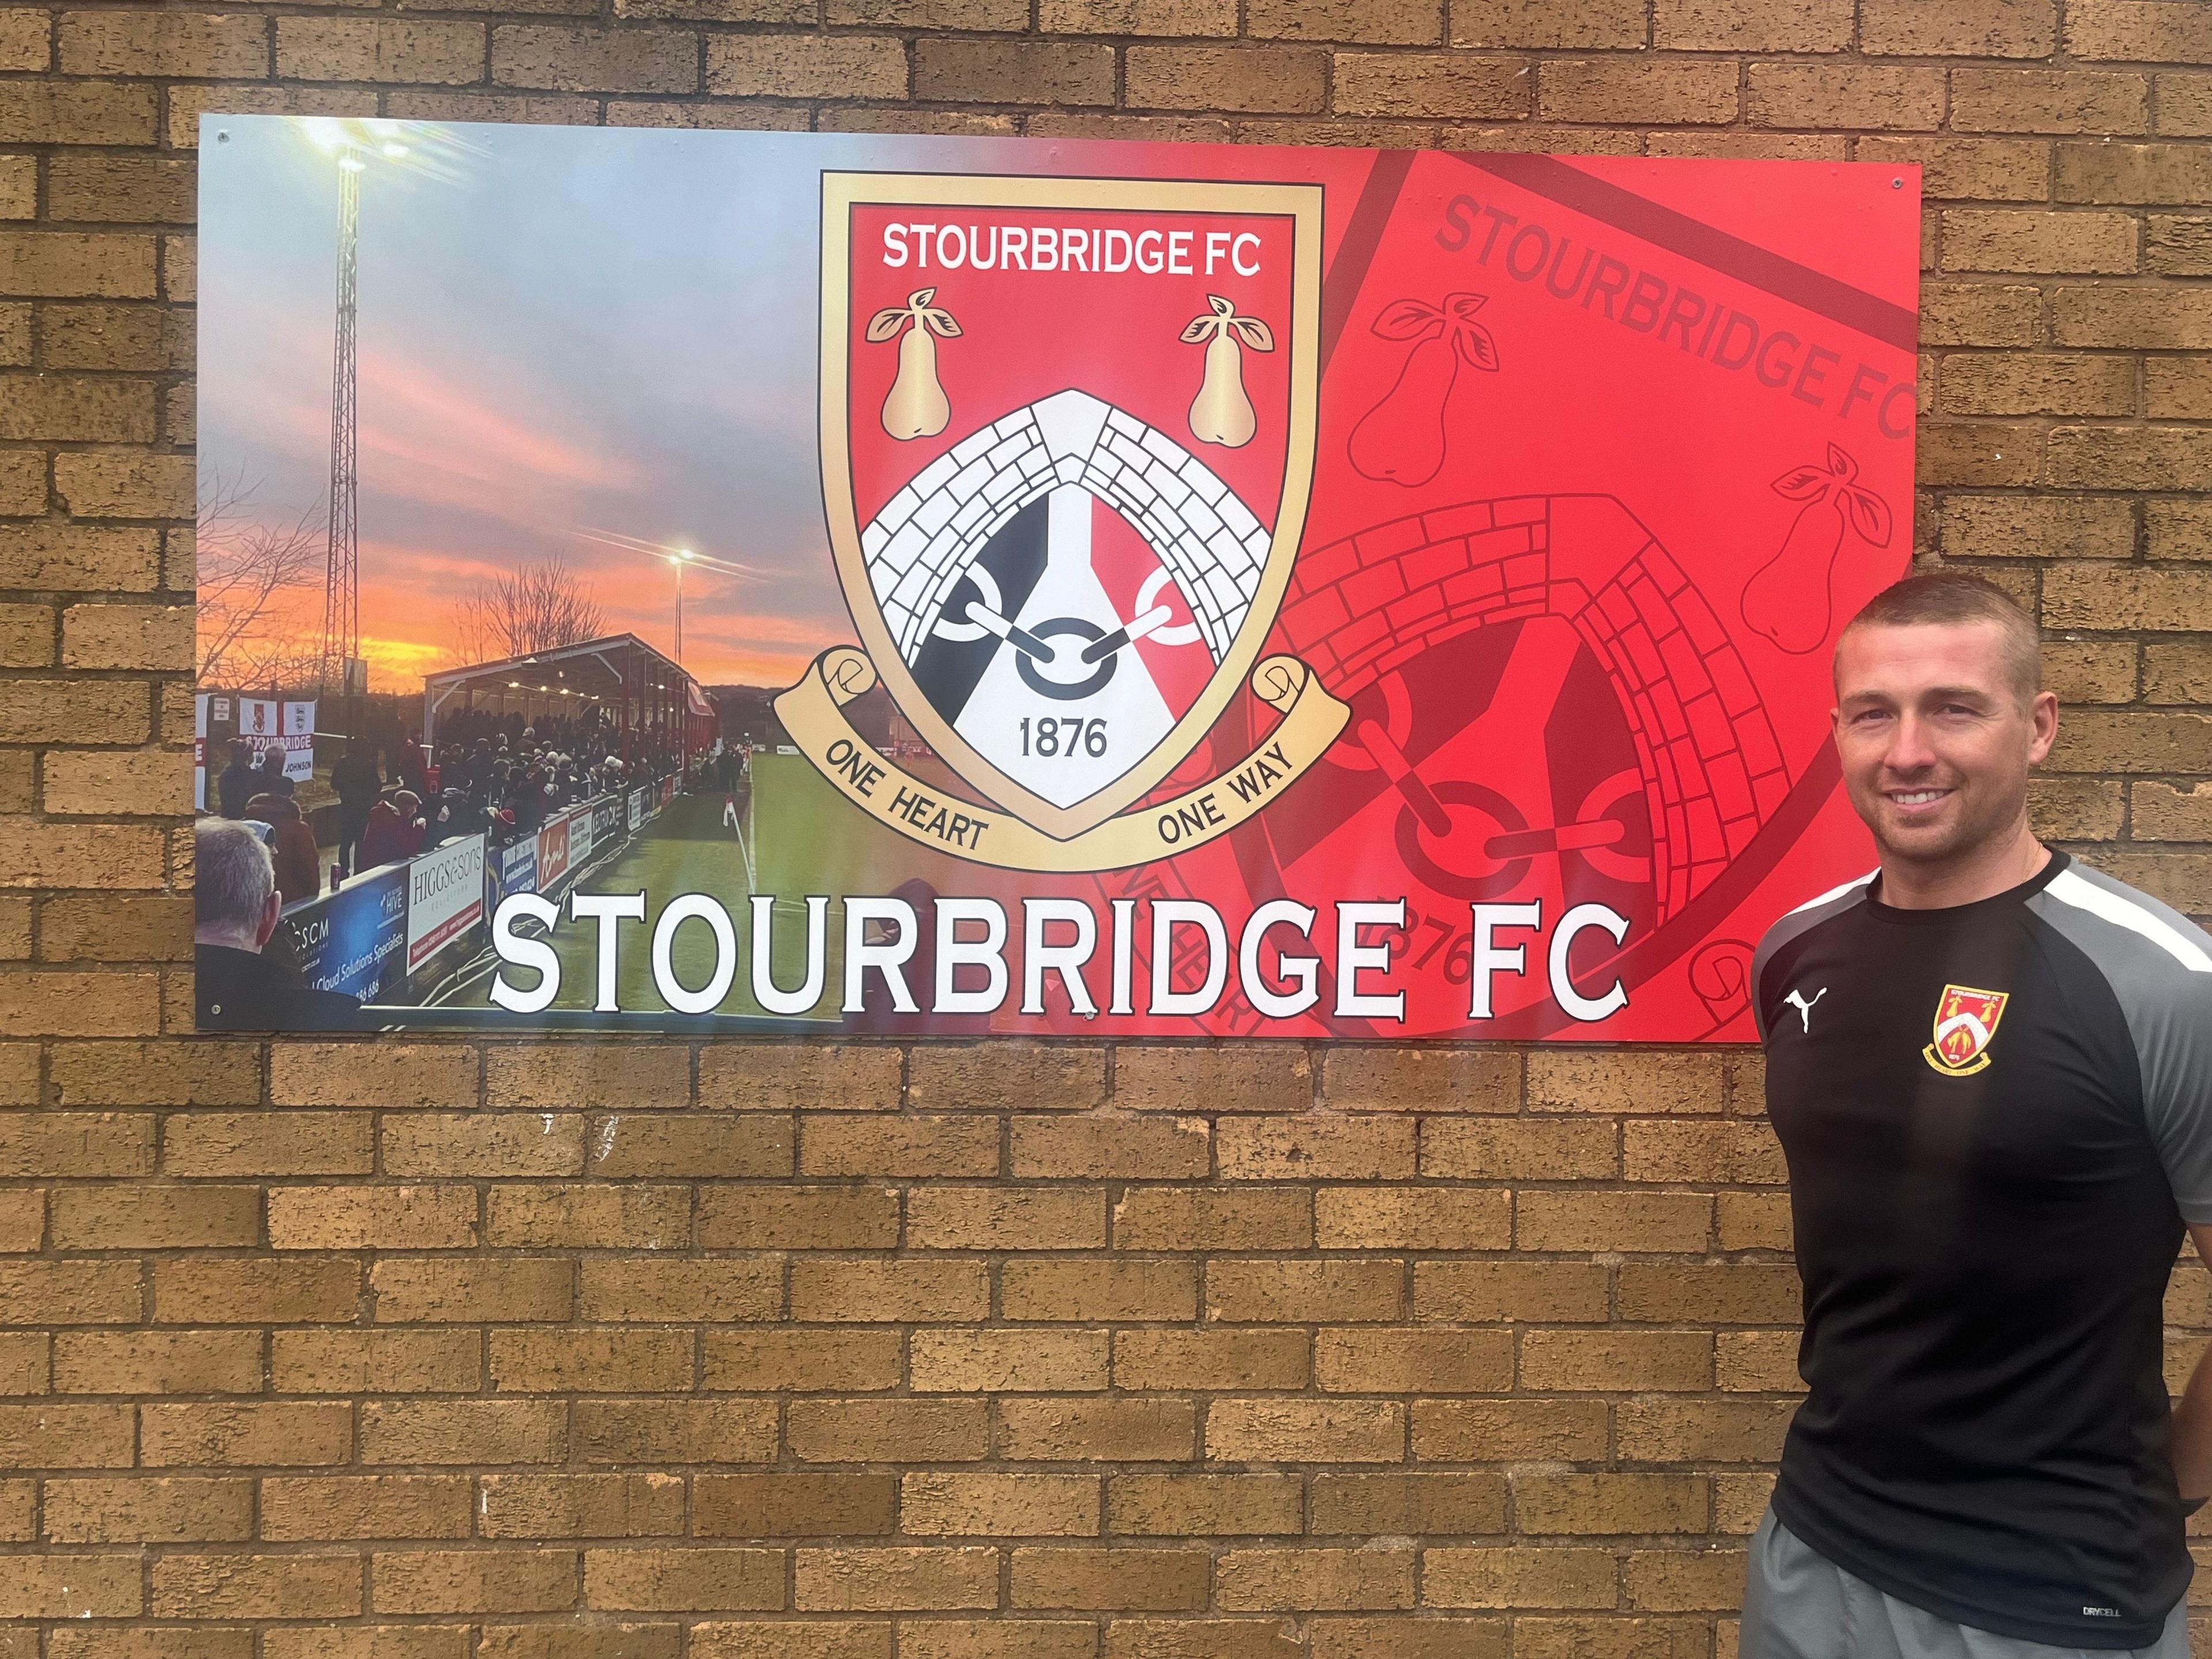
x=804 y=839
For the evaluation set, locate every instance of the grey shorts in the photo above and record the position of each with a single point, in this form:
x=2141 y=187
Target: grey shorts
x=1800 y=1605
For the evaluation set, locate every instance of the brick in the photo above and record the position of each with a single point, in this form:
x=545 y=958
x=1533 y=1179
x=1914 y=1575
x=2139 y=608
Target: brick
x=2159 y=812
x=2093 y=596
x=689 y=1144
x=1005 y=1076
x=810 y=1638
x=2178 y=530
x=977 y=1505
x=256 y=1291
x=1529 y=1149
x=628 y=1075
x=865 y=1289
x=1756 y=1362
x=569 y=1641
x=1365 y=1080
x=157 y=1362
x=1118 y=1580
x=1399 y=1218
x=383 y=1074
x=1302 y=1292
x=1597 y=26
x=1604 y=1504
x=1843 y=95
x=1262 y=80
x=146 y=1509
x=65 y=1437
x=1518 y=1577
x=1249 y=1638
x=75 y=112
x=462 y=1431
x=804 y=66
x=269 y=1434
x=1703 y=1430
x=763 y=1076
x=1548 y=1292
x=90 y=781
x=835 y=1144
x=2177 y=389
x=433 y=1290
x=385 y=50
x=2038 y=527
x=1228 y=1078
x=66 y=1292
x=861 y=1430
x=70 y=1586
x=1081 y=1430
x=2006 y=240
x=2133 y=743
x=1305 y=1430
x=1982 y=453
x=971 y=70
x=1233 y=1358
x=372 y=1218
x=1967 y=169
x=475 y=1581
x=1093 y=1288
x=2177 y=673
x=1642 y=1638
x=1431 y=85
x=1202 y=1505
x=580 y=1505
x=2059 y=809
x=483 y=1144
x=116 y=927
x=1638 y=1361
x=612 y=1360
x=197 y=45
x=2184 y=105
x=625 y=1288
x=1965 y=29
x=76 y=1144
x=1429 y=1362
x=1751 y=26
x=1391 y=22
x=1623 y=1081
x=793 y=1505
x=120 y=189
x=1100 y=1147
x=1661 y=90
x=693 y=1579
x=889 y=1579
x=101 y=711
x=1981 y=313
x=800 y=1359
x=2138 y=31
x=79 y=855
x=23 y=1218
x=678 y=1432
x=281 y=1143
x=2048 y=100
x=2133 y=173
x=846 y=1217
x=1007 y=1361
x=365 y=1507
x=375 y=1362
x=2139 y=458
x=1314 y=1576
x=596 y=60
x=1416 y=1638
x=557 y=1216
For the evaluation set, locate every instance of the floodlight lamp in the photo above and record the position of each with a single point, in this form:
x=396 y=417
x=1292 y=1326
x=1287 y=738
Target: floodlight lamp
x=352 y=163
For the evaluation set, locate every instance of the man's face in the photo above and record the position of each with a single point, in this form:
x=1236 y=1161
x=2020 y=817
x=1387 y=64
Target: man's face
x=1935 y=741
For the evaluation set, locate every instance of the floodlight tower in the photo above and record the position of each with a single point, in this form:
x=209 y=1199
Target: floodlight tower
x=342 y=577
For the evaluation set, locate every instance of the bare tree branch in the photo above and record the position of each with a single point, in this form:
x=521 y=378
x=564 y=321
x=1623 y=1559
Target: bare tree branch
x=246 y=564
x=539 y=607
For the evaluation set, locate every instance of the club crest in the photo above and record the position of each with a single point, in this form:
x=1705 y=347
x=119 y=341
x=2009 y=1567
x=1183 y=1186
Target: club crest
x=1965 y=1025
x=1067 y=432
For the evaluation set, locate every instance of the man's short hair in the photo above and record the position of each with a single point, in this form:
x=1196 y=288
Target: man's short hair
x=1948 y=599
x=233 y=875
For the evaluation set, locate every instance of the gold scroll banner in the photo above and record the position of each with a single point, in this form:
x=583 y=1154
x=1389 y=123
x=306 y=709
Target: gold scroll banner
x=813 y=713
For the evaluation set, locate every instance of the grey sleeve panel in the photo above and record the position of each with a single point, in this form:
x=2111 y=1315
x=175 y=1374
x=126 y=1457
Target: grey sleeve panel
x=1806 y=916
x=2158 y=964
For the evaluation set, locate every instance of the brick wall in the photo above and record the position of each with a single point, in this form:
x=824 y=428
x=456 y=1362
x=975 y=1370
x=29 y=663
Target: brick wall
x=429 y=1349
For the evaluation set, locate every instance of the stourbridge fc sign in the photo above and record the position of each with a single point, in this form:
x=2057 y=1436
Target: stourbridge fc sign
x=1288 y=593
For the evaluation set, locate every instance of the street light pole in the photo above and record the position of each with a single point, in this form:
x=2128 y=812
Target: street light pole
x=679 y=559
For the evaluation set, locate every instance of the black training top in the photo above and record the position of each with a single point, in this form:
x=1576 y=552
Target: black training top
x=1996 y=1117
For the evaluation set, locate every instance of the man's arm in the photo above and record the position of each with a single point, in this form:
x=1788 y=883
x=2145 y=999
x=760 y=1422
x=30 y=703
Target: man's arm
x=2192 y=1417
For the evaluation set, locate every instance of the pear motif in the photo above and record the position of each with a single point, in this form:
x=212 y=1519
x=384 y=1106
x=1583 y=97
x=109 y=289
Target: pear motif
x=916 y=406
x=1222 y=412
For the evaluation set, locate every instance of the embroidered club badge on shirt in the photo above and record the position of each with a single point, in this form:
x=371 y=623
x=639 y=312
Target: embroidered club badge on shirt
x=1965 y=1025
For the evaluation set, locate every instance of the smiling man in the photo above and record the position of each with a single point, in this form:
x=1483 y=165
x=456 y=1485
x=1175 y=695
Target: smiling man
x=1990 y=1070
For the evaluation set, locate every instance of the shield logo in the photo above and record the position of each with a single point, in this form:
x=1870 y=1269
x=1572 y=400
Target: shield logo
x=1966 y=1023
x=1067 y=440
